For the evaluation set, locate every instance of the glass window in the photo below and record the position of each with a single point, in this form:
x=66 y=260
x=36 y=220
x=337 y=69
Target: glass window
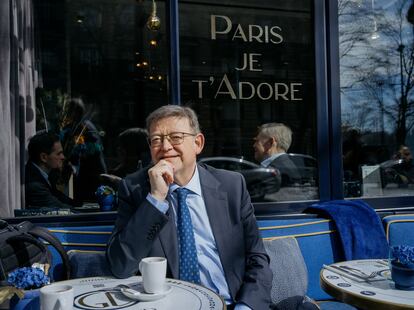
x=244 y=64
x=376 y=64
x=102 y=71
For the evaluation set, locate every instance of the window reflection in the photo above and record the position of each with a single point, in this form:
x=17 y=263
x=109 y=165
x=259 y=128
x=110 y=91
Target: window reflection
x=376 y=62
x=244 y=64
x=102 y=53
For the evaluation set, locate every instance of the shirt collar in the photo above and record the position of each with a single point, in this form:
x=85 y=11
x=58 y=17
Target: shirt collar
x=267 y=161
x=194 y=185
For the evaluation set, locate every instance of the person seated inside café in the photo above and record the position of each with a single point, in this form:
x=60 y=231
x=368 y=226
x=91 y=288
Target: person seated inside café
x=132 y=151
x=45 y=158
x=83 y=147
x=405 y=169
x=270 y=149
x=133 y=155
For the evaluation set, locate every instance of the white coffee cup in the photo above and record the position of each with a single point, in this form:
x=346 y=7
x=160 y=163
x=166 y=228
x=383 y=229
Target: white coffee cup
x=56 y=297
x=153 y=270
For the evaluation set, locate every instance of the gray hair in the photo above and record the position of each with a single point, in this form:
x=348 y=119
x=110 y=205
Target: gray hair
x=174 y=111
x=280 y=132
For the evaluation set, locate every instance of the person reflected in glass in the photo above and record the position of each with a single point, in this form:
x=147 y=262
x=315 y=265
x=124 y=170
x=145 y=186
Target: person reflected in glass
x=133 y=155
x=82 y=145
x=352 y=150
x=45 y=156
x=270 y=146
x=405 y=167
x=132 y=150
x=227 y=253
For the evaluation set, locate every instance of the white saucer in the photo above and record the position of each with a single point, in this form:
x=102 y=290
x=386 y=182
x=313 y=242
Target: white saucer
x=142 y=296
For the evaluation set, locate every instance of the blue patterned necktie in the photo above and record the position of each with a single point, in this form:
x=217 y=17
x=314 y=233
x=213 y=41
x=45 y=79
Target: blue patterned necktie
x=188 y=267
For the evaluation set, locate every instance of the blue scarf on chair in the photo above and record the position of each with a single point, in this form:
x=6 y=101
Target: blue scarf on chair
x=359 y=227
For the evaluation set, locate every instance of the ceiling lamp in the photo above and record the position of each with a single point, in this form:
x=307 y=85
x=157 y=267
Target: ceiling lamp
x=154 y=22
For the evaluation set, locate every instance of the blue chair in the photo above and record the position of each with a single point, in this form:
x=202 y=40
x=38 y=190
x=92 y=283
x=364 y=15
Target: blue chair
x=88 y=264
x=290 y=278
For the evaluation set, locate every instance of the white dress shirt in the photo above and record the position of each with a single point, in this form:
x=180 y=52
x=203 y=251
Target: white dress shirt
x=267 y=161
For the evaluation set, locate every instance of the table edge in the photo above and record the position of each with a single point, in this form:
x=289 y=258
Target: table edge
x=355 y=299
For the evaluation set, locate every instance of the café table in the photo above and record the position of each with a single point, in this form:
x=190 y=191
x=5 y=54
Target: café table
x=346 y=282
x=104 y=293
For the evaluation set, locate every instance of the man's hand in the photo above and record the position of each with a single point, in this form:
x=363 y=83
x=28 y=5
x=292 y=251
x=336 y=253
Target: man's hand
x=161 y=176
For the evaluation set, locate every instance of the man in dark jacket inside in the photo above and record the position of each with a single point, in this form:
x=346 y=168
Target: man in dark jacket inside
x=270 y=147
x=45 y=155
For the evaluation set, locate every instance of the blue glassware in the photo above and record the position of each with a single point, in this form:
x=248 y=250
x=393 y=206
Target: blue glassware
x=106 y=202
x=401 y=261
x=402 y=276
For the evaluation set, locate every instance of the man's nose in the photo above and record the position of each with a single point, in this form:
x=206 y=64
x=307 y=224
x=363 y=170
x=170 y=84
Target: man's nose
x=166 y=144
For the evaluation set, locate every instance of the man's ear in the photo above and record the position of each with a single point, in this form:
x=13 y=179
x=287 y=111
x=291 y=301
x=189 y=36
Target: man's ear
x=270 y=142
x=199 y=142
x=43 y=157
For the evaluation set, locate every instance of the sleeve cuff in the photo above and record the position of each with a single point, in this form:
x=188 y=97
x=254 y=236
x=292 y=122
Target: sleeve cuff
x=242 y=306
x=161 y=206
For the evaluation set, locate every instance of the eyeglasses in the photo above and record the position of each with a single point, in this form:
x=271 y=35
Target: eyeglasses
x=175 y=138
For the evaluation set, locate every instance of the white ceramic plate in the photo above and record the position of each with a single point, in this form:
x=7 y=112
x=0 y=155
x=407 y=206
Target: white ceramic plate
x=142 y=296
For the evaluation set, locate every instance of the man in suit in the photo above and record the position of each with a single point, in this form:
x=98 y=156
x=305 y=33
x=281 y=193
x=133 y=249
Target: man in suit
x=45 y=155
x=270 y=146
x=229 y=253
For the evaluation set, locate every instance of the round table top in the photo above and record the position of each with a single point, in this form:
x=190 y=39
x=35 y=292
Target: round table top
x=101 y=293
x=379 y=292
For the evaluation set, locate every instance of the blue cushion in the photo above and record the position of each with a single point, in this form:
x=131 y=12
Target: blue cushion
x=87 y=238
x=88 y=264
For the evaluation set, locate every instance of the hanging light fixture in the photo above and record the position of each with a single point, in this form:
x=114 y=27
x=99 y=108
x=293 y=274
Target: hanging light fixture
x=154 y=22
x=374 y=34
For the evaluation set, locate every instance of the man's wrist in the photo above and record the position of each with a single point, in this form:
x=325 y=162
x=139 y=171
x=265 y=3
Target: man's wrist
x=162 y=206
x=158 y=196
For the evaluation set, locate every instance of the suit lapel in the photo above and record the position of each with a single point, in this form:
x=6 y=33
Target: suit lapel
x=217 y=210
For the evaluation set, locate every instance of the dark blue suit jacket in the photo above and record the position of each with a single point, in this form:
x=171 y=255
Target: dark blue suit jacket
x=40 y=194
x=141 y=230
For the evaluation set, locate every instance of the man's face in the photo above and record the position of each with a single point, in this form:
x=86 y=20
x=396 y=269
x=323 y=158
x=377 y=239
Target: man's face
x=182 y=156
x=406 y=154
x=260 y=147
x=55 y=159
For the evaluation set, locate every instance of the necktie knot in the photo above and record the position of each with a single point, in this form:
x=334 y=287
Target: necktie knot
x=182 y=193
